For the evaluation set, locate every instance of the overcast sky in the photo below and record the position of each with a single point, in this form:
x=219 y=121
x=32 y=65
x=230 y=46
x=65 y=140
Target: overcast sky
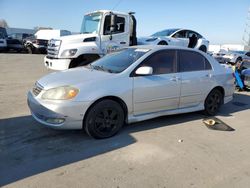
x=220 y=21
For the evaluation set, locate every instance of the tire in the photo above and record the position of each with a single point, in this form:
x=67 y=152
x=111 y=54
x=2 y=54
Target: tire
x=83 y=60
x=104 y=119
x=162 y=43
x=213 y=102
x=203 y=48
x=29 y=50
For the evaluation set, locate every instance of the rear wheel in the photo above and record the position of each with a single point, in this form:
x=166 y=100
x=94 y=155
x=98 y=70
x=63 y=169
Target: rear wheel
x=104 y=119
x=213 y=102
x=162 y=43
x=203 y=48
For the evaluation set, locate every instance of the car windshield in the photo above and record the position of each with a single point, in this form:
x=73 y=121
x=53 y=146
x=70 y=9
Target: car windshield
x=166 y=32
x=91 y=23
x=118 y=61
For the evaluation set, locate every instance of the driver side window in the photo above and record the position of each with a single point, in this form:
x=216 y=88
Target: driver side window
x=119 y=27
x=180 y=34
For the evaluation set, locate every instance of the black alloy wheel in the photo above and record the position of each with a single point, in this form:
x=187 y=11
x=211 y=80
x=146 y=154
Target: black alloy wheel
x=104 y=119
x=213 y=102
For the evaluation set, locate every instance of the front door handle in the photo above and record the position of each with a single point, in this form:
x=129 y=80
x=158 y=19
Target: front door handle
x=122 y=42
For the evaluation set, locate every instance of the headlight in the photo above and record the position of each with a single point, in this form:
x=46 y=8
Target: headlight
x=60 y=93
x=151 y=39
x=69 y=53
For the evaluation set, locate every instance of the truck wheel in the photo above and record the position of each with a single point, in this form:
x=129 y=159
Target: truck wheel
x=213 y=102
x=104 y=119
x=29 y=50
x=83 y=60
x=203 y=48
x=162 y=43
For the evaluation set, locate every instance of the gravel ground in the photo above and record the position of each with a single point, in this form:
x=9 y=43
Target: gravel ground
x=172 y=151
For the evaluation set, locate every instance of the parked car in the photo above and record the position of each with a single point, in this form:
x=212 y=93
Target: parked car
x=14 y=44
x=39 y=42
x=236 y=56
x=3 y=42
x=244 y=71
x=20 y=36
x=131 y=85
x=177 y=37
x=220 y=56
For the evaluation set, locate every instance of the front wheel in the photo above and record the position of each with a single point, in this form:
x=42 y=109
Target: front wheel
x=104 y=119
x=213 y=102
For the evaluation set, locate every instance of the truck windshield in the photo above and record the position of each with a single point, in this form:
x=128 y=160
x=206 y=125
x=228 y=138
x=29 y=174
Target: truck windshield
x=118 y=61
x=91 y=23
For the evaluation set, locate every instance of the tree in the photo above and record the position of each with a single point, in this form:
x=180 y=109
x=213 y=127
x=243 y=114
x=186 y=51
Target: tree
x=3 y=23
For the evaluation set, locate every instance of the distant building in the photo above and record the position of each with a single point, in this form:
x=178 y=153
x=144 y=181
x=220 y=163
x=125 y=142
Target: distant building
x=12 y=30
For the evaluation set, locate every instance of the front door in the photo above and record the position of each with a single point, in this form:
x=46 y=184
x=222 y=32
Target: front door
x=117 y=39
x=161 y=90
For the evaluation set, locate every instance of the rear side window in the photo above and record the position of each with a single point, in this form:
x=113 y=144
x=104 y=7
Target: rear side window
x=192 y=61
x=163 y=62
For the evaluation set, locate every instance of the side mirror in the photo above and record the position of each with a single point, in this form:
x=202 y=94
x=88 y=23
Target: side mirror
x=144 y=71
x=113 y=22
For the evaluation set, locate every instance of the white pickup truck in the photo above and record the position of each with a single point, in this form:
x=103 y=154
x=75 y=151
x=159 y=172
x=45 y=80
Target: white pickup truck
x=102 y=31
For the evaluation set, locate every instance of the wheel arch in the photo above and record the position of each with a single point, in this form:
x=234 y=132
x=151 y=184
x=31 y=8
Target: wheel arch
x=111 y=97
x=221 y=89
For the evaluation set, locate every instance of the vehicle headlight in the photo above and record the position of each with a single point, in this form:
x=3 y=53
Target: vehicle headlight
x=69 y=53
x=151 y=39
x=60 y=93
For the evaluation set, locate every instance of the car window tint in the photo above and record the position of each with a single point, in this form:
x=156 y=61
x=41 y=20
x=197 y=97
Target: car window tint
x=192 y=61
x=162 y=62
x=207 y=65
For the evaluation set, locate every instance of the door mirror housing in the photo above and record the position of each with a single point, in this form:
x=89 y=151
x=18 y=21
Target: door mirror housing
x=145 y=70
x=113 y=22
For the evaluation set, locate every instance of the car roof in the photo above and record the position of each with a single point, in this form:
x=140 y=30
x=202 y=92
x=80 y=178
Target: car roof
x=163 y=47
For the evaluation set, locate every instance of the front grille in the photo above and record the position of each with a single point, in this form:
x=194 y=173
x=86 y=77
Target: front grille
x=53 y=48
x=37 y=89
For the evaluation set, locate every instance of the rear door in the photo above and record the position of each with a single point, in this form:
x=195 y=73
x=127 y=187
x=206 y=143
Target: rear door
x=196 y=77
x=161 y=90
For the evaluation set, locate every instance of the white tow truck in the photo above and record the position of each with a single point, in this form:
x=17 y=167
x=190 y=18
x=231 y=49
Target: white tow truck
x=102 y=32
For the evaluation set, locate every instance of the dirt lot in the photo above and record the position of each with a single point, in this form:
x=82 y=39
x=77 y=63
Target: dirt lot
x=145 y=154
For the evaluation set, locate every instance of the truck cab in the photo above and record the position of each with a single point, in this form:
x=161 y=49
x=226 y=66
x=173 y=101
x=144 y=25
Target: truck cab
x=102 y=32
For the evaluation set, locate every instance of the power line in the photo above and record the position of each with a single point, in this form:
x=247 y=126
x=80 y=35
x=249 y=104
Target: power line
x=116 y=5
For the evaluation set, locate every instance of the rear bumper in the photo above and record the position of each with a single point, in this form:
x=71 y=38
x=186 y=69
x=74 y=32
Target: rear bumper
x=56 y=64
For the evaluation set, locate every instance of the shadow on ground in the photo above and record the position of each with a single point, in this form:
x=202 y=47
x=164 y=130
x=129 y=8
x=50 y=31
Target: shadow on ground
x=28 y=148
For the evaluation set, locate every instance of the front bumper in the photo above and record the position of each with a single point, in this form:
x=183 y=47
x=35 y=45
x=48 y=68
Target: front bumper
x=68 y=114
x=56 y=64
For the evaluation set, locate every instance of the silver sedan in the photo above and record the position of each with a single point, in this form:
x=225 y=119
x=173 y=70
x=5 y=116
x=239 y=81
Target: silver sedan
x=131 y=85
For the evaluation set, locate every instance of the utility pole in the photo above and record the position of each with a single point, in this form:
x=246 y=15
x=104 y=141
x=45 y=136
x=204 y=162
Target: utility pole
x=246 y=35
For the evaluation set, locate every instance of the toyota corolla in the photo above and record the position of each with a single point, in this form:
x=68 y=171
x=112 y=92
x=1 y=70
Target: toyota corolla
x=131 y=85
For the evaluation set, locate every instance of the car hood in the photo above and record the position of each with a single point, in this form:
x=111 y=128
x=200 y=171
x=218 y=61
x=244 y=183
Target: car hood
x=76 y=38
x=246 y=72
x=75 y=76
